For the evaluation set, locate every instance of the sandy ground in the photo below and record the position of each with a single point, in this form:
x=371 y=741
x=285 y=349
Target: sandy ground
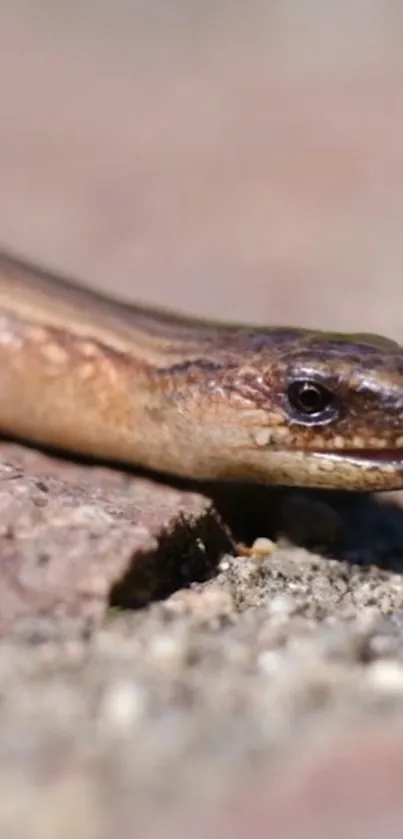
x=158 y=678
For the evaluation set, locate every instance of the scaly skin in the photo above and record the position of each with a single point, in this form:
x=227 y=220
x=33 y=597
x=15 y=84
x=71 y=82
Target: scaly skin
x=192 y=398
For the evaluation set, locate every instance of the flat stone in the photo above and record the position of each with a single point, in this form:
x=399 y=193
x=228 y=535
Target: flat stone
x=75 y=539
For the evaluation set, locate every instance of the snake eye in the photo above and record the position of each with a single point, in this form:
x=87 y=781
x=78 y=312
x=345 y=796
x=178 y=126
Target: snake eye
x=311 y=400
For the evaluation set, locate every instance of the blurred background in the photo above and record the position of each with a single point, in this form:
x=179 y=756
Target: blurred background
x=232 y=159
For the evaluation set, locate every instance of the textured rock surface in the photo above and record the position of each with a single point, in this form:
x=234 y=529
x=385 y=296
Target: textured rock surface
x=76 y=540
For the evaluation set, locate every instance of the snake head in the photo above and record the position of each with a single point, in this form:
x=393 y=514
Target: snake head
x=322 y=410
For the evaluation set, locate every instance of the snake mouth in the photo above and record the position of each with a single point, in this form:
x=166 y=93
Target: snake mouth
x=375 y=456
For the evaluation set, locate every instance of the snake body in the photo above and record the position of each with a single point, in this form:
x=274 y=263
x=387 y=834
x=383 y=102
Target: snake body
x=204 y=400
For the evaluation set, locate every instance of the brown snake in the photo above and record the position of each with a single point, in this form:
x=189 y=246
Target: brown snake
x=203 y=400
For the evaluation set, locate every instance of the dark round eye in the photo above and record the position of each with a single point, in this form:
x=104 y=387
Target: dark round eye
x=311 y=399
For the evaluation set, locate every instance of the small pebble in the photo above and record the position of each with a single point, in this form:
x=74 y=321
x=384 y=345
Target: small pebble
x=123 y=704
x=261 y=548
x=386 y=675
